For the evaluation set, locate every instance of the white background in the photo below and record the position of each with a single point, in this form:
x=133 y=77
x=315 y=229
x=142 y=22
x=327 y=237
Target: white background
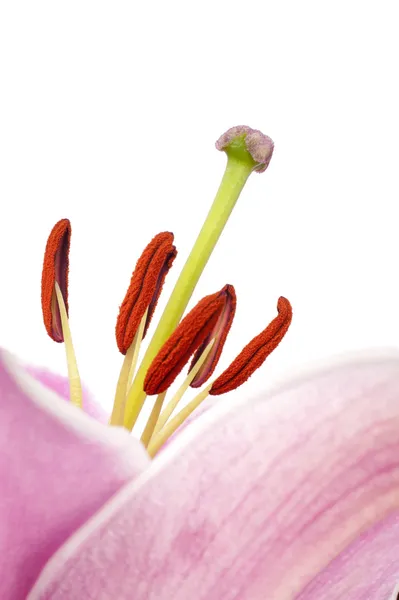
x=108 y=115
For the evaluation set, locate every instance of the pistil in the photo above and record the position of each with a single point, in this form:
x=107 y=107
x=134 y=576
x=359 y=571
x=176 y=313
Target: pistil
x=247 y=150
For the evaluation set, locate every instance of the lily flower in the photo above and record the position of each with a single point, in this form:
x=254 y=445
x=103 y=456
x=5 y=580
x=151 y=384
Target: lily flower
x=291 y=495
x=201 y=334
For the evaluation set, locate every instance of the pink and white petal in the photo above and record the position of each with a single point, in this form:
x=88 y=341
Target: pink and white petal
x=249 y=502
x=368 y=568
x=60 y=385
x=57 y=467
x=203 y=408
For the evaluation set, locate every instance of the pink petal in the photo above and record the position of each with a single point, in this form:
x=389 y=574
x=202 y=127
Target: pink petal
x=60 y=385
x=368 y=568
x=57 y=467
x=250 y=502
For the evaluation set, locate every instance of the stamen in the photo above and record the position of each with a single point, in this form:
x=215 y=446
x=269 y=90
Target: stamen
x=75 y=386
x=256 y=352
x=55 y=300
x=219 y=334
x=185 y=340
x=171 y=406
x=126 y=375
x=137 y=343
x=153 y=419
x=145 y=288
x=158 y=440
x=242 y=160
x=55 y=269
x=250 y=359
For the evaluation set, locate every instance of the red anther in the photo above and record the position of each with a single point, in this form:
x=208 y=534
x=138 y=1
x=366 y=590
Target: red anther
x=219 y=334
x=145 y=288
x=186 y=339
x=256 y=352
x=55 y=269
